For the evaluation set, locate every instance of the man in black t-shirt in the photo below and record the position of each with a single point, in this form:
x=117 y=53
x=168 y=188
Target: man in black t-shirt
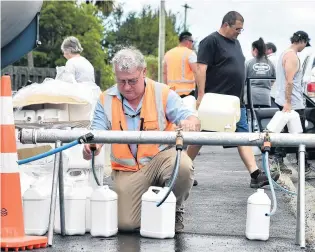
x=221 y=70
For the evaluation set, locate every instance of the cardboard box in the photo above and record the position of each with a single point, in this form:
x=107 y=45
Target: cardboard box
x=33 y=151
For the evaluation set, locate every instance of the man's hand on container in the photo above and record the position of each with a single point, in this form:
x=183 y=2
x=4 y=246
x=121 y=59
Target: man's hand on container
x=87 y=150
x=192 y=123
x=287 y=107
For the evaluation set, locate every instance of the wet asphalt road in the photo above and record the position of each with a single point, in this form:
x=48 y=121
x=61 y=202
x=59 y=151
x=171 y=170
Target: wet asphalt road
x=215 y=216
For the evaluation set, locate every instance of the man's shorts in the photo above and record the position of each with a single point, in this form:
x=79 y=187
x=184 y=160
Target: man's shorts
x=242 y=124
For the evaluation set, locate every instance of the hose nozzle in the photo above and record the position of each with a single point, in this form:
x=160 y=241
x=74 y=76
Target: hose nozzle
x=86 y=138
x=179 y=139
x=267 y=143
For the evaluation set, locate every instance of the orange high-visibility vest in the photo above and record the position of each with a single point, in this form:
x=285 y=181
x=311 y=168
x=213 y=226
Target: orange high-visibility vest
x=180 y=77
x=152 y=117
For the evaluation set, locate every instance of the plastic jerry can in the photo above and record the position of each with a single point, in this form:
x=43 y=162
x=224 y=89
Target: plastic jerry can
x=219 y=112
x=158 y=222
x=88 y=191
x=294 y=123
x=280 y=119
x=79 y=178
x=104 y=215
x=75 y=211
x=257 y=223
x=36 y=208
x=26 y=116
x=26 y=181
x=277 y=122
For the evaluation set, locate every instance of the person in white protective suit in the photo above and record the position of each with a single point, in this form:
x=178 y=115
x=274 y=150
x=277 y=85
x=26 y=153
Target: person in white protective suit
x=80 y=67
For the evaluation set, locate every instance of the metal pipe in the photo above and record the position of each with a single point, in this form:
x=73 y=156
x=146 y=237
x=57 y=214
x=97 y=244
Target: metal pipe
x=250 y=100
x=297 y=232
x=302 y=195
x=250 y=104
x=162 y=137
x=61 y=196
x=53 y=196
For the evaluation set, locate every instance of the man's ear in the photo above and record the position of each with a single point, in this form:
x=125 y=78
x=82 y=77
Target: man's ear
x=225 y=25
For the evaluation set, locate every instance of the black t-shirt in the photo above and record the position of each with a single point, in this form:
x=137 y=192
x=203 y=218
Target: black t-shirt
x=226 y=65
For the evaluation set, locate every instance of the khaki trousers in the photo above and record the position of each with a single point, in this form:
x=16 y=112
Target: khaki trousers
x=130 y=186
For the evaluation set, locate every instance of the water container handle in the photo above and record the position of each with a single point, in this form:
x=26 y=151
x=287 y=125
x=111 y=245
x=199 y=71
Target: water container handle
x=152 y=188
x=82 y=176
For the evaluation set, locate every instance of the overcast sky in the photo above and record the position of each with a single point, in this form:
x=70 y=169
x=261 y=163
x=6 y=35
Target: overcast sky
x=273 y=20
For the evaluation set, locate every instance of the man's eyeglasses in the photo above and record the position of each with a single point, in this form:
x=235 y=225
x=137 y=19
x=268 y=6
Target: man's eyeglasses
x=237 y=29
x=131 y=82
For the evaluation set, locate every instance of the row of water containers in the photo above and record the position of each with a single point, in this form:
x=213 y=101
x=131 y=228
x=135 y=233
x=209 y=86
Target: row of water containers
x=86 y=208
x=41 y=115
x=94 y=211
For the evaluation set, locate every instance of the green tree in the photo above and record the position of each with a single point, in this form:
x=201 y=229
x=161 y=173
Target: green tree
x=152 y=67
x=140 y=30
x=106 y=7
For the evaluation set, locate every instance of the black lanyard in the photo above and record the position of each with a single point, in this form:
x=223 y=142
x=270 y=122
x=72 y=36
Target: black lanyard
x=131 y=116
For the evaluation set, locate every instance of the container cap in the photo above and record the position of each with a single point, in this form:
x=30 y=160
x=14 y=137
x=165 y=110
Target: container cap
x=259 y=198
x=155 y=194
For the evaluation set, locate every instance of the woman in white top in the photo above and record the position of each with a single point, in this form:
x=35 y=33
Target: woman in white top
x=77 y=65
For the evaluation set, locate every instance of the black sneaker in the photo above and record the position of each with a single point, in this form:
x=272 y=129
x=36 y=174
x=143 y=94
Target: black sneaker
x=262 y=180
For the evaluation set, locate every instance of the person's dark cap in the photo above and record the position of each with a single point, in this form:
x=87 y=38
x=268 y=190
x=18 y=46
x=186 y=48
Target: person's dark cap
x=303 y=36
x=271 y=46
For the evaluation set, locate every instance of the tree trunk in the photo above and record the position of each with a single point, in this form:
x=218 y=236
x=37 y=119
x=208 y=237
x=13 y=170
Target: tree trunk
x=30 y=59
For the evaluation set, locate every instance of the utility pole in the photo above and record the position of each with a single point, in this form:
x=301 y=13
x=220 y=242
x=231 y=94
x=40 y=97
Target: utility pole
x=161 y=40
x=186 y=7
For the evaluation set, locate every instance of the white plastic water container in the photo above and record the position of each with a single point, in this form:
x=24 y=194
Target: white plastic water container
x=219 y=112
x=80 y=178
x=52 y=115
x=26 y=181
x=104 y=212
x=36 y=208
x=26 y=116
x=102 y=163
x=257 y=223
x=75 y=211
x=294 y=123
x=158 y=222
x=281 y=119
x=89 y=191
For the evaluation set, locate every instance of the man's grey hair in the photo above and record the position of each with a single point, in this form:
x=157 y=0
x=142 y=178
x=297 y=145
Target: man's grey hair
x=71 y=45
x=128 y=59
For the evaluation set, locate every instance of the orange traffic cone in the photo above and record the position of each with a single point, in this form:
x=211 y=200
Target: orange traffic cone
x=12 y=222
